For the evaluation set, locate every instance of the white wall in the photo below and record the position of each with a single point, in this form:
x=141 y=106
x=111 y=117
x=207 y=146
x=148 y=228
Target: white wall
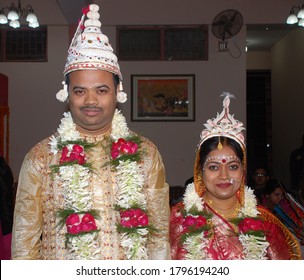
x=35 y=113
x=177 y=140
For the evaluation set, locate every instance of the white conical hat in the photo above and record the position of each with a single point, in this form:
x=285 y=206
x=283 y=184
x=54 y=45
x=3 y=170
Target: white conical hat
x=90 y=48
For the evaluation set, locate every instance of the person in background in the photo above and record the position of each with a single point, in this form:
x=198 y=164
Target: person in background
x=6 y=208
x=296 y=169
x=219 y=218
x=260 y=178
x=285 y=207
x=94 y=189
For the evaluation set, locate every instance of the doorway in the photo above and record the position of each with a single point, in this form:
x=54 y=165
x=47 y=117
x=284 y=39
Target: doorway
x=259 y=129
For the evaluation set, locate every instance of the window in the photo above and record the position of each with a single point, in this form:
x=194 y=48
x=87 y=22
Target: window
x=139 y=44
x=162 y=42
x=23 y=44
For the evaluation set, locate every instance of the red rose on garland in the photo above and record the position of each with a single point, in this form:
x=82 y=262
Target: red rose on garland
x=123 y=147
x=75 y=225
x=133 y=218
x=195 y=222
x=71 y=153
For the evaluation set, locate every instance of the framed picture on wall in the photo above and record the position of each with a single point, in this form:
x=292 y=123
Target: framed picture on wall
x=163 y=97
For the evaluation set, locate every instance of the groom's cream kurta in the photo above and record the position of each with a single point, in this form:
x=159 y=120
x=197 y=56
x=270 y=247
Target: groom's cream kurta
x=36 y=234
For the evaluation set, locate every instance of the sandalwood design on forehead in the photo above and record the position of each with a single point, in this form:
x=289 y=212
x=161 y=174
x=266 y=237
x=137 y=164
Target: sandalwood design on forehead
x=222 y=159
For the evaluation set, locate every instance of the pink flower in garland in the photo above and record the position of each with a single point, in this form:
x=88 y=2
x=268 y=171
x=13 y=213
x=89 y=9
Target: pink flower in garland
x=123 y=147
x=73 y=153
x=86 y=227
x=72 y=219
x=134 y=218
x=75 y=225
x=194 y=222
x=88 y=223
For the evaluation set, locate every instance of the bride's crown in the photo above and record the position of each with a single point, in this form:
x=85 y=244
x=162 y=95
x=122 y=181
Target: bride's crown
x=224 y=125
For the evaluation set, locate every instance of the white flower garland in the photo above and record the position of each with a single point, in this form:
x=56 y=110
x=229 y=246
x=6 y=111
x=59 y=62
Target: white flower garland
x=84 y=247
x=191 y=199
x=254 y=247
x=130 y=182
x=130 y=187
x=195 y=246
x=75 y=184
x=75 y=180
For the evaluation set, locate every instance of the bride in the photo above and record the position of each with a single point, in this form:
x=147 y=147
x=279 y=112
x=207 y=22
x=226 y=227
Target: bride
x=219 y=218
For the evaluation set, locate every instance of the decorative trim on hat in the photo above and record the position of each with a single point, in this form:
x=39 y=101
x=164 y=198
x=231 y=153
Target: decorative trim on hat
x=224 y=125
x=92 y=66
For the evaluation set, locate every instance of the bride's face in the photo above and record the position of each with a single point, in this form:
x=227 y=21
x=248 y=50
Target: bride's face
x=222 y=173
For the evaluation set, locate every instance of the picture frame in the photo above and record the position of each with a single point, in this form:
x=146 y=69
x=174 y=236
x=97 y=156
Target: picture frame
x=163 y=97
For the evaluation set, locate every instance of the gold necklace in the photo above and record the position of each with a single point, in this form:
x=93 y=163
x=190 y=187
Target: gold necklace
x=230 y=215
x=234 y=213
